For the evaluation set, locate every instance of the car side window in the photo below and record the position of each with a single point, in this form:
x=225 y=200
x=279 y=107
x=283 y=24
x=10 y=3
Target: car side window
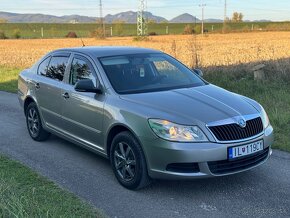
x=56 y=68
x=81 y=68
x=42 y=68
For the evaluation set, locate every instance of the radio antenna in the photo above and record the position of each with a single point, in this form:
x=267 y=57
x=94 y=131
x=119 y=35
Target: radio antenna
x=83 y=44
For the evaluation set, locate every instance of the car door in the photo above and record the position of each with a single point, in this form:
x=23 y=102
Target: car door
x=48 y=88
x=83 y=112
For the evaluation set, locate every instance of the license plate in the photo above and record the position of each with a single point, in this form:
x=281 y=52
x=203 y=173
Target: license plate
x=244 y=150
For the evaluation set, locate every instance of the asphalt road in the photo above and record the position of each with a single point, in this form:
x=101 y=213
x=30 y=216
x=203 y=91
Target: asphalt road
x=261 y=192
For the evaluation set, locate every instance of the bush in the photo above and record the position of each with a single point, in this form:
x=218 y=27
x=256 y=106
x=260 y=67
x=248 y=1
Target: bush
x=98 y=33
x=119 y=28
x=246 y=29
x=141 y=38
x=152 y=34
x=71 y=35
x=280 y=27
x=197 y=29
x=226 y=28
x=188 y=30
x=16 y=34
x=2 y=35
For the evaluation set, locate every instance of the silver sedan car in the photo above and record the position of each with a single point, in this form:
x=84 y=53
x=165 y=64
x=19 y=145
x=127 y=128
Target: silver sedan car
x=149 y=114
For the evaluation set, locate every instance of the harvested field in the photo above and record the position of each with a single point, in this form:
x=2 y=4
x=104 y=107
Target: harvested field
x=212 y=50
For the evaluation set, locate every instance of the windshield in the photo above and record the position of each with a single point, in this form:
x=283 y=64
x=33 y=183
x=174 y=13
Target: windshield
x=148 y=73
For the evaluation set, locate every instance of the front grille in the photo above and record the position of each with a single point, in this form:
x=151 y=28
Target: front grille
x=232 y=132
x=229 y=166
x=183 y=167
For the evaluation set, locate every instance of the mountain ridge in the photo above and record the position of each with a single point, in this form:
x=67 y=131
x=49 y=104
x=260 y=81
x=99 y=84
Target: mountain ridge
x=127 y=17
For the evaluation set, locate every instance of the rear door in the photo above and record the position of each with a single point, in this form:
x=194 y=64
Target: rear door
x=83 y=112
x=48 y=88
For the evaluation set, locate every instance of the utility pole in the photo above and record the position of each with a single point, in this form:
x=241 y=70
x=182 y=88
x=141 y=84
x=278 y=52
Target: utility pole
x=225 y=17
x=102 y=23
x=202 y=17
x=141 y=19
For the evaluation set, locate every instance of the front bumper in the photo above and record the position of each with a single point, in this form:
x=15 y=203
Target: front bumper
x=201 y=156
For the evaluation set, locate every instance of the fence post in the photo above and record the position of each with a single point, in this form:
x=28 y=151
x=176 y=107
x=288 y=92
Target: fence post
x=42 y=32
x=259 y=73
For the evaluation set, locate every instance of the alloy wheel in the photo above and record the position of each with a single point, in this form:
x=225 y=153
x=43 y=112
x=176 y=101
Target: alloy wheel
x=125 y=161
x=33 y=122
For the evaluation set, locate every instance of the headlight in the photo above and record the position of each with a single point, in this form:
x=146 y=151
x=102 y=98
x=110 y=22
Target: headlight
x=175 y=132
x=265 y=118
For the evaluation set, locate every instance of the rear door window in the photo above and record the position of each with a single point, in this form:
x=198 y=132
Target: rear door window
x=56 y=67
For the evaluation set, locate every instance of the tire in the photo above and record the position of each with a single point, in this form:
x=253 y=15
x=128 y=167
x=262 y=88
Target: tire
x=34 y=125
x=128 y=162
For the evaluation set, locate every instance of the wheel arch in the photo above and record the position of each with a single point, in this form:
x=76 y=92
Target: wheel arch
x=29 y=99
x=116 y=129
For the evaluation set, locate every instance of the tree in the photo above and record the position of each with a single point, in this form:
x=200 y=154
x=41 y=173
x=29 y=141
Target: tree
x=119 y=27
x=2 y=35
x=188 y=30
x=16 y=34
x=164 y=21
x=2 y=20
x=237 y=17
x=151 y=21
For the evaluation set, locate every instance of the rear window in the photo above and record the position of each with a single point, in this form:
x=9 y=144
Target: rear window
x=42 y=68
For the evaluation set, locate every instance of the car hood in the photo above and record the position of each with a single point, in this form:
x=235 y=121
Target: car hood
x=204 y=104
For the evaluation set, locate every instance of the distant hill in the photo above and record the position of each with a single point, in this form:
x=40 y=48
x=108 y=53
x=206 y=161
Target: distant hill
x=184 y=18
x=188 y=18
x=43 y=18
x=262 y=21
x=127 y=17
x=211 y=20
x=131 y=17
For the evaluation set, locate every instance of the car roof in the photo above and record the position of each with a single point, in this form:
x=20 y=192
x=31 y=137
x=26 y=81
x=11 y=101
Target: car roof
x=105 y=51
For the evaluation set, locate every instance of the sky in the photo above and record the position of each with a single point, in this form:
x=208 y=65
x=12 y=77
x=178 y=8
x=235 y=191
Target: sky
x=252 y=9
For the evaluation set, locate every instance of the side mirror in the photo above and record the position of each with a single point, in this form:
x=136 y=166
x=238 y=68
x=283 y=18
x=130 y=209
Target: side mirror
x=198 y=72
x=87 y=85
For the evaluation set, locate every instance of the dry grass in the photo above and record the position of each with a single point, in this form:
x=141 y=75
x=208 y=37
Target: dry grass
x=212 y=50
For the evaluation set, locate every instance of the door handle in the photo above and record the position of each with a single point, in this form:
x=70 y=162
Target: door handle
x=65 y=95
x=37 y=86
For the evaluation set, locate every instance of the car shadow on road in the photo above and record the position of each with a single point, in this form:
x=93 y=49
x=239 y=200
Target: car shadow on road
x=78 y=151
x=215 y=185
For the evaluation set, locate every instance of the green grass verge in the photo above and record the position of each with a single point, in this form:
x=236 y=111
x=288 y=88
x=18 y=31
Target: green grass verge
x=23 y=193
x=273 y=95
x=8 y=79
